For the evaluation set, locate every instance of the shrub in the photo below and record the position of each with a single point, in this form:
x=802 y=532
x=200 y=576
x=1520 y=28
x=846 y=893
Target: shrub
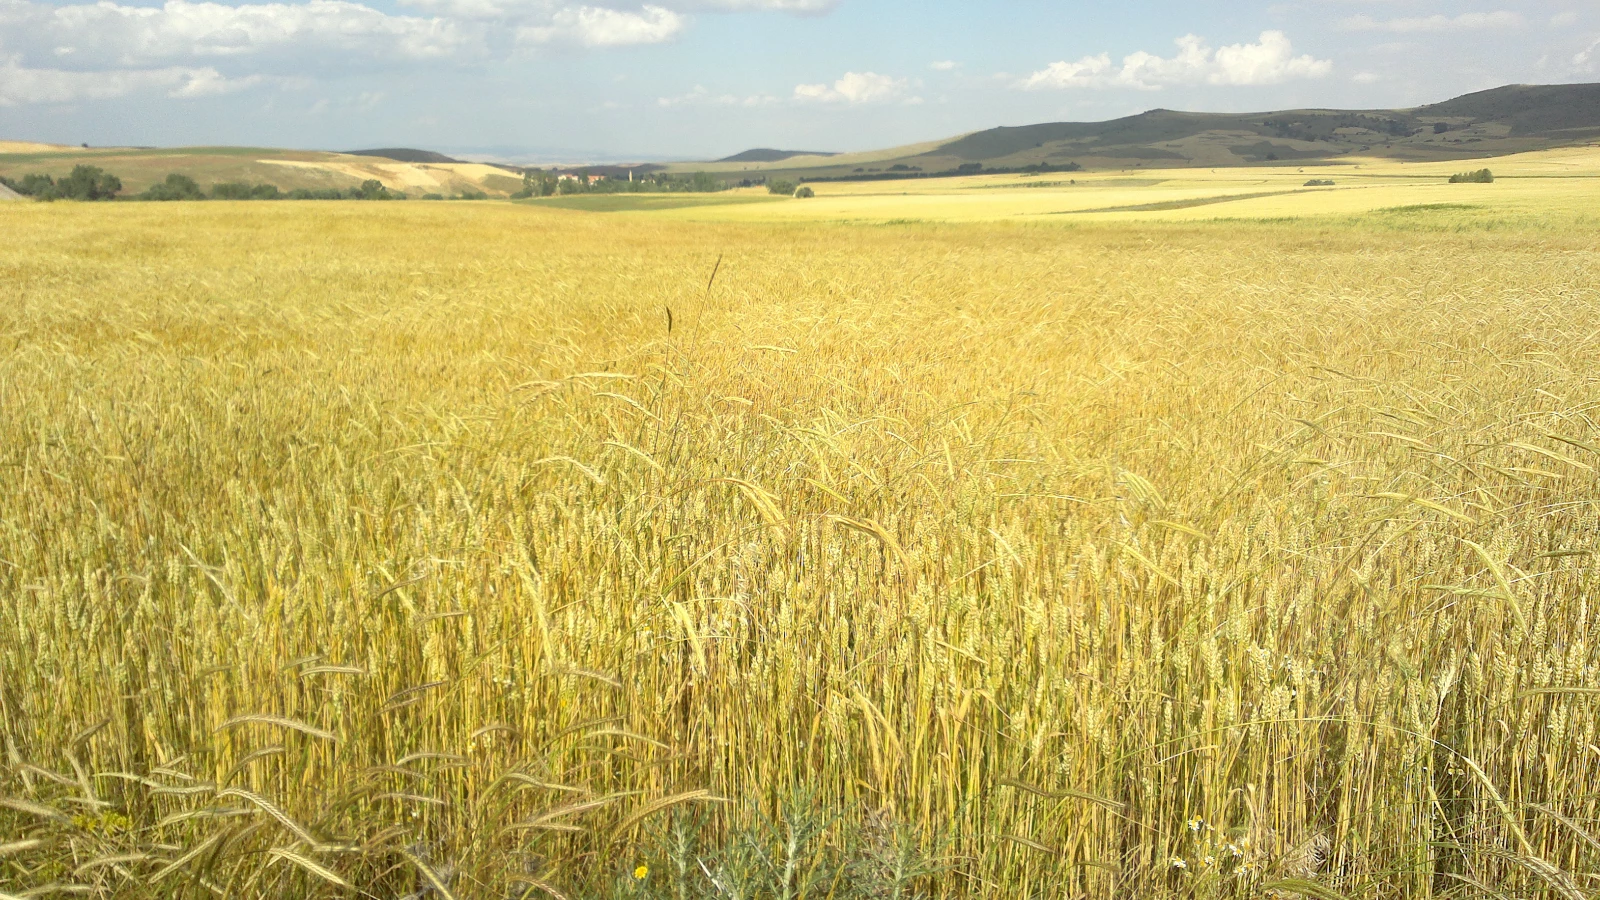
x=89 y=183
x=535 y=184
x=41 y=187
x=433 y=196
x=265 y=192
x=1319 y=182
x=785 y=188
x=317 y=194
x=230 y=190
x=176 y=187
x=84 y=183
x=1482 y=176
x=805 y=193
x=372 y=189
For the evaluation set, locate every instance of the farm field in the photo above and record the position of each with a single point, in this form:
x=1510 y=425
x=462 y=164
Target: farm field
x=141 y=167
x=1530 y=187
x=487 y=550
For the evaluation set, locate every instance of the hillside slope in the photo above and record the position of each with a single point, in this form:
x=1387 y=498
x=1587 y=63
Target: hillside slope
x=763 y=155
x=288 y=169
x=1512 y=119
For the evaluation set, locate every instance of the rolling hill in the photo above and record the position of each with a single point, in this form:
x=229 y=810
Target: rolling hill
x=1511 y=119
x=762 y=154
x=140 y=167
x=404 y=154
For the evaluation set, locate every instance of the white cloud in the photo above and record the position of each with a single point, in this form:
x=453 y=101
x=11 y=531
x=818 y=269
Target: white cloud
x=553 y=13
x=82 y=49
x=209 y=82
x=702 y=97
x=1367 y=78
x=1587 y=54
x=1270 y=60
x=789 y=6
x=1091 y=71
x=1413 y=24
x=1562 y=20
x=944 y=65
x=20 y=85
x=854 y=88
x=598 y=26
x=108 y=36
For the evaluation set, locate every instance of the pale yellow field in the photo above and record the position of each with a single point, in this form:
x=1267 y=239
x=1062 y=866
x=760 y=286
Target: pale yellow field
x=288 y=169
x=1560 y=183
x=34 y=147
x=479 y=550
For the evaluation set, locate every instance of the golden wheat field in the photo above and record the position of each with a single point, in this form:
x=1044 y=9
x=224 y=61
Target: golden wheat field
x=488 y=551
x=1531 y=189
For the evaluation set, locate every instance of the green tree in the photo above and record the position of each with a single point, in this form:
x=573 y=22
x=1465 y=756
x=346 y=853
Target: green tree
x=89 y=183
x=230 y=190
x=535 y=184
x=39 y=187
x=176 y=187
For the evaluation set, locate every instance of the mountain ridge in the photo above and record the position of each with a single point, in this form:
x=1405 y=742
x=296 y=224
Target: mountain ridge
x=1494 y=122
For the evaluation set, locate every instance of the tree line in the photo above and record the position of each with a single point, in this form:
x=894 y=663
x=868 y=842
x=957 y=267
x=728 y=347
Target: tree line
x=91 y=183
x=541 y=183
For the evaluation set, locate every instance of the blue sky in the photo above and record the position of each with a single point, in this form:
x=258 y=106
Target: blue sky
x=628 y=79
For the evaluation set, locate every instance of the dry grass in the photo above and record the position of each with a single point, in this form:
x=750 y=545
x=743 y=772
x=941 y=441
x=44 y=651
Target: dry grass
x=403 y=547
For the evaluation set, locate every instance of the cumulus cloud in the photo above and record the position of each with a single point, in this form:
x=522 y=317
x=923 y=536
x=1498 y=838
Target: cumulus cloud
x=702 y=97
x=1270 y=60
x=108 y=36
x=1477 y=21
x=944 y=65
x=21 y=85
x=552 y=13
x=854 y=88
x=1583 y=59
x=789 y=6
x=598 y=26
x=81 y=49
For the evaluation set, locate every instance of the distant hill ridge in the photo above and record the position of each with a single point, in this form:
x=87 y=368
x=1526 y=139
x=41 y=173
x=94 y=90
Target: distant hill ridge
x=1511 y=119
x=405 y=154
x=764 y=155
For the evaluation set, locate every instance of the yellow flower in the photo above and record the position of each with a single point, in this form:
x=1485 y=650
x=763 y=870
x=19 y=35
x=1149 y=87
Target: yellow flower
x=641 y=872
